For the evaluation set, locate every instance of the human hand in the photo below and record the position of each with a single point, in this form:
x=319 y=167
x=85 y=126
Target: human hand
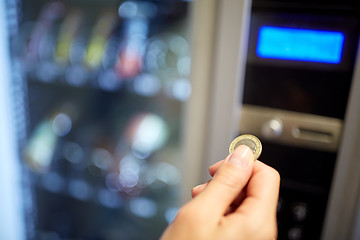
x=238 y=203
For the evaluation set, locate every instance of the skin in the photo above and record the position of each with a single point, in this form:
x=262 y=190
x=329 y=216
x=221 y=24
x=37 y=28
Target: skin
x=239 y=202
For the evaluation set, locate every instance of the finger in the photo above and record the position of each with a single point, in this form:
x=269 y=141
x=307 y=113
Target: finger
x=213 y=168
x=228 y=182
x=262 y=192
x=236 y=203
x=198 y=189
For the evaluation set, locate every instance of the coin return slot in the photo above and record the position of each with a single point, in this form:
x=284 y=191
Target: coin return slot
x=312 y=135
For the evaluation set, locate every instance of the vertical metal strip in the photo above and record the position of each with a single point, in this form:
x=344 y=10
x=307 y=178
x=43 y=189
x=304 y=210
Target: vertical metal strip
x=203 y=18
x=12 y=225
x=219 y=42
x=342 y=219
x=228 y=77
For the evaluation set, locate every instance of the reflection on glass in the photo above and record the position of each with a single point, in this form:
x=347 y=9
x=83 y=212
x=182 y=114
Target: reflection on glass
x=41 y=147
x=147 y=132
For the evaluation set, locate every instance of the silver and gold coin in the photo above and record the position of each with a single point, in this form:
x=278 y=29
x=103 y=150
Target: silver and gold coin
x=249 y=140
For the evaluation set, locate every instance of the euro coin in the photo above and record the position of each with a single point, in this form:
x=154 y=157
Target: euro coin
x=249 y=140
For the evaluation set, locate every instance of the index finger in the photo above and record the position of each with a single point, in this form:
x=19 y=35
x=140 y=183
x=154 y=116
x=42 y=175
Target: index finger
x=213 y=168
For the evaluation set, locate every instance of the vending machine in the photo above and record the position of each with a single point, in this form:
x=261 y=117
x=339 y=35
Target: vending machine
x=298 y=77
x=113 y=110
x=288 y=72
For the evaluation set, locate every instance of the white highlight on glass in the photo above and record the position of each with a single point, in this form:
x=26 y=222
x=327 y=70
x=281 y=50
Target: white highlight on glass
x=150 y=135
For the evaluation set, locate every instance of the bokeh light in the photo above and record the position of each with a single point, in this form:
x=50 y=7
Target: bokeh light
x=143 y=207
x=61 y=124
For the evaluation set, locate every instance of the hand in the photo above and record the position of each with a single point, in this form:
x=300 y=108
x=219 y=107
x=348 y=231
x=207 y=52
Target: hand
x=238 y=203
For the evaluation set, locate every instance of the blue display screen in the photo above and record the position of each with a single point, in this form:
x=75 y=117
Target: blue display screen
x=300 y=44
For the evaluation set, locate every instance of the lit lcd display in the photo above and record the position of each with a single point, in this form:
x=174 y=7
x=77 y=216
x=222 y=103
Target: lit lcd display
x=300 y=44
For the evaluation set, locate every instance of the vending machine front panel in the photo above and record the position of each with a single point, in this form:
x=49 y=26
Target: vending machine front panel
x=298 y=77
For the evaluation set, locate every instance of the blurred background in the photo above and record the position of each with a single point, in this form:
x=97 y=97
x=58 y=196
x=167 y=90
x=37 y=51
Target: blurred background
x=98 y=90
x=111 y=111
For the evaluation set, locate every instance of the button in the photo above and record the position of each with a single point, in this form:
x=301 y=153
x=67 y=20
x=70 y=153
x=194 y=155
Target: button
x=299 y=211
x=280 y=205
x=295 y=233
x=272 y=128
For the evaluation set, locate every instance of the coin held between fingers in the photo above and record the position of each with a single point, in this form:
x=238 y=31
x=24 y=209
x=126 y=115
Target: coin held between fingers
x=249 y=140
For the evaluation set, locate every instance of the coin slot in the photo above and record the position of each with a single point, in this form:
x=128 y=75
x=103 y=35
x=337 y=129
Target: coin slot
x=312 y=134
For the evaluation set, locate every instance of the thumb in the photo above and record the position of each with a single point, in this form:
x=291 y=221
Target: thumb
x=229 y=180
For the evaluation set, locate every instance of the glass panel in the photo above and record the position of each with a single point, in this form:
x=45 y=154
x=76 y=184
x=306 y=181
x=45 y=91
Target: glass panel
x=106 y=84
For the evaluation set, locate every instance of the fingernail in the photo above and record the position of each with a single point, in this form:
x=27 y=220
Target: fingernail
x=199 y=187
x=241 y=156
